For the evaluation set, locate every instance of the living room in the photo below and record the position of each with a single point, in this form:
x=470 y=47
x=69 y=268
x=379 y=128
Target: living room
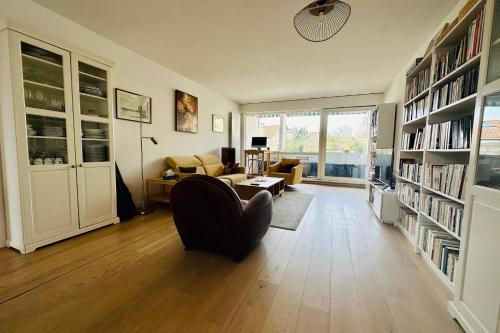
x=323 y=166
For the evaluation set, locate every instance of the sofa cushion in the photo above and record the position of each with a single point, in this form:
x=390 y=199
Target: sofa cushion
x=294 y=161
x=175 y=162
x=212 y=165
x=234 y=178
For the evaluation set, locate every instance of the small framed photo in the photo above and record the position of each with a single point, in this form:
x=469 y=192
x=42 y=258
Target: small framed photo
x=217 y=123
x=130 y=106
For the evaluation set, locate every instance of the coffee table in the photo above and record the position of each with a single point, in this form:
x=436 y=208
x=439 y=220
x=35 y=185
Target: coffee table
x=247 y=189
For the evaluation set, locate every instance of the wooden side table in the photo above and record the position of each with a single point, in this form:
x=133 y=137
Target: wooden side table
x=164 y=195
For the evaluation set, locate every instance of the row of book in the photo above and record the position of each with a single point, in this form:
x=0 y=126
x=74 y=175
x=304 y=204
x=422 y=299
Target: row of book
x=413 y=141
x=410 y=169
x=469 y=46
x=418 y=84
x=444 y=211
x=441 y=248
x=449 y=179
x=455 y=90
x=408 y=194
x=408 y=221
x=455 y=134
x=417 y=109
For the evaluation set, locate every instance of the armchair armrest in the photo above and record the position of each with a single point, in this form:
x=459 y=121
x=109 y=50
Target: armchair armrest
x=257 y=213
x=296 y=174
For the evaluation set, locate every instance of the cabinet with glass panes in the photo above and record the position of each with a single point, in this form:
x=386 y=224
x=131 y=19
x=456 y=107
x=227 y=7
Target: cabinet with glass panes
x=57 y=138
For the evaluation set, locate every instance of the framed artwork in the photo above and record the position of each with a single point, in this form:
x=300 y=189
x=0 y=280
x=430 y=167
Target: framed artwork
x=130 y=106
x=186 y=112
x=217 y=123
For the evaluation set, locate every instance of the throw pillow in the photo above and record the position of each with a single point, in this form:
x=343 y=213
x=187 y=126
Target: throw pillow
x=286 y=168
x=231 y=168
x=187 y=169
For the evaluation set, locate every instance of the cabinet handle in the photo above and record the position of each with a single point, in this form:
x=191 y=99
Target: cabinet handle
x=73 y=166
x=80 y=165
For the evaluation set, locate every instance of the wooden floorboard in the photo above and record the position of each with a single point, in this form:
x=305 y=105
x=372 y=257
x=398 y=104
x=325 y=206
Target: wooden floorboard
x=340 y=271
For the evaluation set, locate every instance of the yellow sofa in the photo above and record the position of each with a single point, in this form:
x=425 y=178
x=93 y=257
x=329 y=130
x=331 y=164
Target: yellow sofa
x=294 y=177
x=208 y=164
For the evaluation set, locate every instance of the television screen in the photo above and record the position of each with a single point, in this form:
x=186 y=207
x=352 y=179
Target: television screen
x=259 y=142
x=383 y=166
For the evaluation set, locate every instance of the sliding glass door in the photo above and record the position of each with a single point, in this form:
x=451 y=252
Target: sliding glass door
x=346 y=149
x=302 y=132
x=332 y=144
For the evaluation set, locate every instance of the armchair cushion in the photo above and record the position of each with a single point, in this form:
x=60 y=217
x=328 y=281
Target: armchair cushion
x=286 y=168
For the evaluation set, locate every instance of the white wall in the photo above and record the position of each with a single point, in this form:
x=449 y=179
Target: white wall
x=396 y=90
x=134 y=73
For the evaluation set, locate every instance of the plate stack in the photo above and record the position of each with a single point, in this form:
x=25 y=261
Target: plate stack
x=95 y=152
x=52 y=131
x=94 y=133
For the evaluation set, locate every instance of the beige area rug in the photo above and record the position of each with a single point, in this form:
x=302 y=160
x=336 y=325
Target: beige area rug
x=289 y=209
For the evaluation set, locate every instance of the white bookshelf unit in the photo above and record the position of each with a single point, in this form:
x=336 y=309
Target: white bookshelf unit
x=426 y=84
x=450 y=207
x=382 y=199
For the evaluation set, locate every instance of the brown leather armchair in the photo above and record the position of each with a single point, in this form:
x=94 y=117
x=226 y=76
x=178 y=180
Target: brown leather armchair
x=289 y=169
x=209 y=215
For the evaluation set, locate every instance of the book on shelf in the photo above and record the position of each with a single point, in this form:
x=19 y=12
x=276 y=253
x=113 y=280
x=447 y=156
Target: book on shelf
x=409 y=194
x=455 y=90
x=444 y=211
x=417 y=109
x=413 y=141
x=408 y=221
x=449 y=179
x=410 y=169
x=457 y=55
x=414 y=65
x=442 y=249
x=454 y=134
x=418 y=84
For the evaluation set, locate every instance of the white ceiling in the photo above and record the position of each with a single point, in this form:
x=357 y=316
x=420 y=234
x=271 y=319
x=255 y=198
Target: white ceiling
x=249 y=51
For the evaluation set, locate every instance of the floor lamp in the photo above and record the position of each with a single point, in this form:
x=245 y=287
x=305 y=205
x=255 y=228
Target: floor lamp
x=144 y=210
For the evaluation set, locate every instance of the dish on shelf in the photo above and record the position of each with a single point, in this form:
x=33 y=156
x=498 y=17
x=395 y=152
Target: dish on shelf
x=92 y=91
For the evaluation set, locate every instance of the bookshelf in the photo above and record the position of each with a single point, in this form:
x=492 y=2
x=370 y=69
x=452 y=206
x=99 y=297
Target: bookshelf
x=381 y=198
x=436 y=130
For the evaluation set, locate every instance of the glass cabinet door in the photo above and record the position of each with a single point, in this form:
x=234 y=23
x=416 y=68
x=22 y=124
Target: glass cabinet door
x=488 y=161
x=494 y=61
x=44 y=95
x=94 y=109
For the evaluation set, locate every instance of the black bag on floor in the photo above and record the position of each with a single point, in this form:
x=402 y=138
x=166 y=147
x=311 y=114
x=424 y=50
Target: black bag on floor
x=124 y=204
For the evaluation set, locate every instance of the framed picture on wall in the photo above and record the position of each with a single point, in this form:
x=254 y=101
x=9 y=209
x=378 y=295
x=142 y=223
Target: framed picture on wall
x=130 y=106
x=186 y=112
x=217 y=123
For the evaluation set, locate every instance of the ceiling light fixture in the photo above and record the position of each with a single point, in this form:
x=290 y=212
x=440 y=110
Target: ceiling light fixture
x=322 y=19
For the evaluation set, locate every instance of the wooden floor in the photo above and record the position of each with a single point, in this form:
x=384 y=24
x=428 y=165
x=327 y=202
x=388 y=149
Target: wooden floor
x=341 y=271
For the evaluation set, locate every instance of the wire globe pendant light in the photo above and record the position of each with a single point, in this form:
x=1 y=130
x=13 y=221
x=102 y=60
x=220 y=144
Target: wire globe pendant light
x=322 y=19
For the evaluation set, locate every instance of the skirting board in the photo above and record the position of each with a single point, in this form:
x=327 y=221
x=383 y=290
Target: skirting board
x=33 y=246
x=466 y=319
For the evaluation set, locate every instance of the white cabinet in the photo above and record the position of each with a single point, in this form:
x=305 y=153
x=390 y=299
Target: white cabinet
x=56 y=142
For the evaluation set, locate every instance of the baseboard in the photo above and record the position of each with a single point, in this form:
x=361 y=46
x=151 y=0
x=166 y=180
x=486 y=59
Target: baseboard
x=333 y=183
x=465 y=318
